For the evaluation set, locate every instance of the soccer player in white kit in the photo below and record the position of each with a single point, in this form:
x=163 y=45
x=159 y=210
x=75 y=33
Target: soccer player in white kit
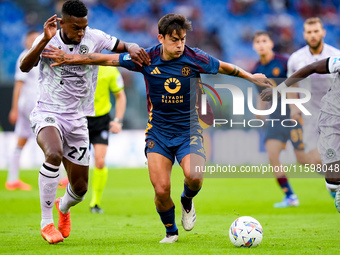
x=328 y=124
x=66 y=98
x=25 y=95
x=315 y=50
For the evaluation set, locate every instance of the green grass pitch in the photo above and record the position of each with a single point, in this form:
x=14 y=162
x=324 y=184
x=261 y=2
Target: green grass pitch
x=130 y=224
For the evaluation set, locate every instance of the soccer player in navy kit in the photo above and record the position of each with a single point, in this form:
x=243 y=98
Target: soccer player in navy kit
x=173 y=130
x=275 y=66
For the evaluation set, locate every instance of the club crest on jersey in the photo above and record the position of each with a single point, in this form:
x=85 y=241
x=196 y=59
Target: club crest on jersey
x=49 y=120
x=83 y=49
x=151 y=144
x=276 y=71
x=330 y=153
x=186 y=71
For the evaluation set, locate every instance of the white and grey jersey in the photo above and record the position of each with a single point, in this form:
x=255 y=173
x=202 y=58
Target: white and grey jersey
x=70 y=89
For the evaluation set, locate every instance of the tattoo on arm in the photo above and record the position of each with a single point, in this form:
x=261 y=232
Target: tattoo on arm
x=235 y=72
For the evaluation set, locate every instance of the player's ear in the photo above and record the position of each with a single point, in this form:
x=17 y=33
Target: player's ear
x=160 y=38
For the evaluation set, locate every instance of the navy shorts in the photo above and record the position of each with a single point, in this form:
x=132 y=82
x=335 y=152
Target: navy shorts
x=174 y=145
x=283 y=134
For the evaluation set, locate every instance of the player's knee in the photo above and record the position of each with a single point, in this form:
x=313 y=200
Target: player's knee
x=54 y=156
x=194 y=183
x=162 y=192
x=99 y=163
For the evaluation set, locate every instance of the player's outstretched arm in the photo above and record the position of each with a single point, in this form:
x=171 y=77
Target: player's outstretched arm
x=32 y=57
x=61 y=58
x=138 y=54
x=258 y=79
x=320 y=67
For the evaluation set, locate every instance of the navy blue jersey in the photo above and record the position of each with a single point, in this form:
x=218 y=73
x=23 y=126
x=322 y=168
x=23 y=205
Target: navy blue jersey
x=277 y=70
x=168 y=87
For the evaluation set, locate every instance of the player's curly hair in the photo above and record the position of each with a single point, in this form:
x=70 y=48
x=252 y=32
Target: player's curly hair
x=173 y=22
x=74 y=8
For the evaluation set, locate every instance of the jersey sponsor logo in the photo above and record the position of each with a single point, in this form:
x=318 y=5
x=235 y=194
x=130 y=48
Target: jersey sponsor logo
x=127 y=57
x=276 y=71
x=172 y=85
x=186 y=71
x=151 y=144
x=83 y=49
x=330 y=153
x=155 y=71
x=49 y=120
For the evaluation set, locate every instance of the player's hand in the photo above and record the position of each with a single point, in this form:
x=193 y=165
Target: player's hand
x=139 y=55
x=115 y=127
x=261 y=80
x=13 y=116
x=267 y=94
x=295 y=112
x=50 y=27
x=56 y=54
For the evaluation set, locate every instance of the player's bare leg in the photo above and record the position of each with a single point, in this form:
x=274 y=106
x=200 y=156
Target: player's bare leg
x=302 y=157
x=333 y=181
x=13 y=182
x=74 y=194
x=315 y=157
x=50 y=142
x=160 y=172
x=192 y=185
x=274 y=147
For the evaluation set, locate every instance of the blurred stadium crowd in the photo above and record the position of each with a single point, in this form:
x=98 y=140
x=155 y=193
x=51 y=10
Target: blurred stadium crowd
x=223 y=28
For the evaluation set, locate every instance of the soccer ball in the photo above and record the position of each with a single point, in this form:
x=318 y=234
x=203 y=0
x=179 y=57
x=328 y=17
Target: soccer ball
x=245 y=232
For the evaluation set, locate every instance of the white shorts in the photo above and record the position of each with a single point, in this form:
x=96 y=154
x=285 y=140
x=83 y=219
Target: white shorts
x=329 y=139
x=74 y=134
x=23 y=126
x=310 y=132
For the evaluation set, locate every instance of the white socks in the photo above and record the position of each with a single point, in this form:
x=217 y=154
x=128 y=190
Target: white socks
x=48 y=185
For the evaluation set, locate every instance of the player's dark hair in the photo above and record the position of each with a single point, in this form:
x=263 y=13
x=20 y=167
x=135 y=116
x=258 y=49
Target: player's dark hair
x=74 y=8
x=173 y=22
x=262 y=32
x=313 y=20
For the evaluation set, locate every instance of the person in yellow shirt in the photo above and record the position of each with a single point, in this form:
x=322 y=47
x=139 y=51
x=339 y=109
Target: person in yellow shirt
x=109 y=79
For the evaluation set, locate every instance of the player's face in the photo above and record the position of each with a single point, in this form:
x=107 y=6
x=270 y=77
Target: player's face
x=173 y=45
x=263 y=45
x=73 y=28
x=314 y=34
x=30 y=39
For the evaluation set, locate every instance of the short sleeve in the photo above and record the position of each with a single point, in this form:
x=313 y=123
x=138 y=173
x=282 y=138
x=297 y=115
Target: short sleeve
x=291 y=66
x=117 y=83
x=207 y=63
x=126 y=62
x=334 y=64
x=103 y=40
x=19 y=75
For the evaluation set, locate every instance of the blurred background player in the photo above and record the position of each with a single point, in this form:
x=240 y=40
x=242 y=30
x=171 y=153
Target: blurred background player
x=109 y=79
x=316 y=49
x=25 y=95
x=275 y=66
